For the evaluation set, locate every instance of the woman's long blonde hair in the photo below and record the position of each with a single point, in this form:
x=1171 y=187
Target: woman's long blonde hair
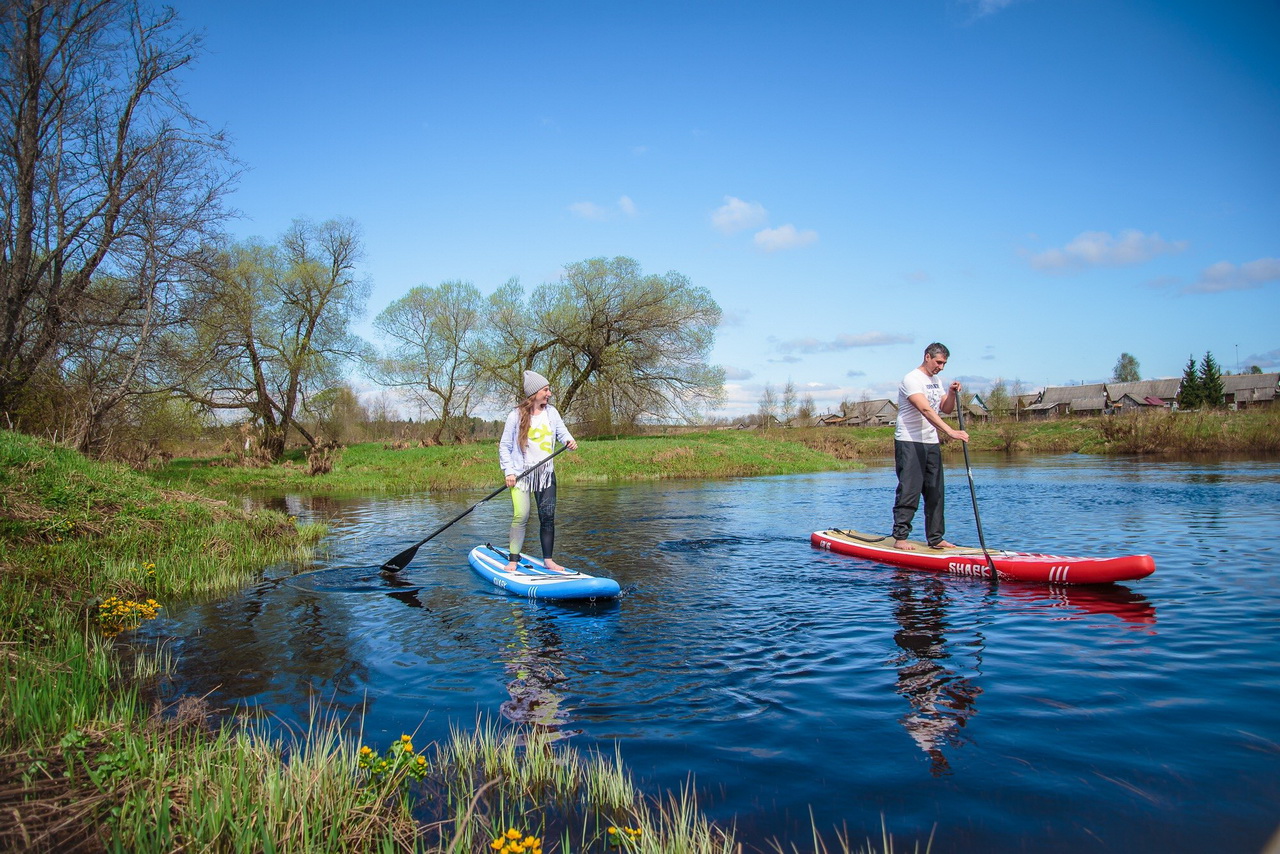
x=526 y=418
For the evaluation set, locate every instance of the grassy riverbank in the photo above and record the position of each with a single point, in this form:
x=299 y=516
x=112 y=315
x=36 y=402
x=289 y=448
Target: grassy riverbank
x=376 y=467
x=88 y=763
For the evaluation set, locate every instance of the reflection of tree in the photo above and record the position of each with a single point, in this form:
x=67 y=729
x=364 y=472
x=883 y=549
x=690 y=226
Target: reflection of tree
x=941 y=700
x=532 y=659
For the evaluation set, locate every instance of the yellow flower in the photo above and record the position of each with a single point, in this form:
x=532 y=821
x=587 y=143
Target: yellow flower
x=613 y=830
x=513 y=834
x=497 y=844
x=406 y=739
x=366 y=750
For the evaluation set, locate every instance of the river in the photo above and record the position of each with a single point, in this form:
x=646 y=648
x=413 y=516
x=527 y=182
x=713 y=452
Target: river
x=787 y=682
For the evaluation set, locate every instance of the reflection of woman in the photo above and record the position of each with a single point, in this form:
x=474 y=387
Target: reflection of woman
x=533 y=428
x=533 y=665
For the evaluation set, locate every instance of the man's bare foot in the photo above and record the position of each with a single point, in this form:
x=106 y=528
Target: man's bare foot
x=943 y=544
x=904 y=545
x=553 y=566
x=511 y=566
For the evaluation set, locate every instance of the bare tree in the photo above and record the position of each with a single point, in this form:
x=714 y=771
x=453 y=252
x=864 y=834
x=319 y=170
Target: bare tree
x=787 y=407
x=105 y=174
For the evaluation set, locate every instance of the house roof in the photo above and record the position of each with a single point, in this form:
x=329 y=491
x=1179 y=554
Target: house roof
x=1066 y=393
x=1088 y=404
x=1233 y=383
x=1166 y=389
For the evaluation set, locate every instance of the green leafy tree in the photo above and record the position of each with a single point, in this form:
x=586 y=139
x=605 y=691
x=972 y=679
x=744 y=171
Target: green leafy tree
x=280 y=318
x=435 y=350
x=1189 y=393
x=999 y=404
x=633 y=343
x=1126 y=370
x=1211 y=389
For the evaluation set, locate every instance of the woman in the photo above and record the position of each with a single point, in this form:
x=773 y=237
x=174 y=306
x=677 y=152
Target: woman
x=530 y=436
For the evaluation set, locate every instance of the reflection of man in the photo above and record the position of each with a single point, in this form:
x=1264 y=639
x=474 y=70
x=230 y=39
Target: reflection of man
x=941 y=699
x=917 y=456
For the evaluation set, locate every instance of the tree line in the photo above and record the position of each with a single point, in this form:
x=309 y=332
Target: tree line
x=126 y=309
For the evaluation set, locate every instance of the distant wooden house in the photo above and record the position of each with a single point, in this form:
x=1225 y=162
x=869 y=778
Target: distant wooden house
x=1069 y=399
x=1146 y=394
x=872 y=413
x=1242 y=391
x=833 y=420
x=1022 y=401
x=1089 y=405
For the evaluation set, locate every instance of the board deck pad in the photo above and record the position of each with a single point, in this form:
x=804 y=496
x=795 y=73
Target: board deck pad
x=533 y=579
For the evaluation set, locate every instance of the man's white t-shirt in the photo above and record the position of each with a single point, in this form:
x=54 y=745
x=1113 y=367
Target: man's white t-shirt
x=912 y=426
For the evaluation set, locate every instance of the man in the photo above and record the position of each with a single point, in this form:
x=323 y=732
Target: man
x=917 y=456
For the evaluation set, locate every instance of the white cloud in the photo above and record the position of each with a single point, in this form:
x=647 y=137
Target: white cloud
x=982 y=8
x=842 y=342
x=593 y=211
x=784 y=237
x=588 y=210
x=736 y=215
x=1100 y=249
x=1225 y=276
x=731 y=373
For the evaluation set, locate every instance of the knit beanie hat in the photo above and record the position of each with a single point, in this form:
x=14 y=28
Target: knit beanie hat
x=534 y=382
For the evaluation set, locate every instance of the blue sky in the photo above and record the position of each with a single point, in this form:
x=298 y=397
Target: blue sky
x=1040 y=184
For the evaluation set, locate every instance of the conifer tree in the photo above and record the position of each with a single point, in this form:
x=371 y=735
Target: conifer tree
x=1211 y=390
x=1189 y=396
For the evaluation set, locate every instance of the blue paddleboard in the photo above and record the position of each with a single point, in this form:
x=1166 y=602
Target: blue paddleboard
x=534 y=580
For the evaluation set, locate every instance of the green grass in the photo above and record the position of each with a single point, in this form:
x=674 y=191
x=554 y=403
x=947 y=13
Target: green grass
x=86 y=763
x=375 y=467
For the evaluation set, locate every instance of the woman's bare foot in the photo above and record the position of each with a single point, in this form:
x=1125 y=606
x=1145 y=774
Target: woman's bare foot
x=553 y=566
x=904 y=545
x=511 y=566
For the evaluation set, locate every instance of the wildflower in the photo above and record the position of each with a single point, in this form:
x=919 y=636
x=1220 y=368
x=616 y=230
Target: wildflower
x=513 y=834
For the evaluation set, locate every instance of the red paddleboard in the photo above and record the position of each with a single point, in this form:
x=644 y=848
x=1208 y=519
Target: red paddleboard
x=964 y=560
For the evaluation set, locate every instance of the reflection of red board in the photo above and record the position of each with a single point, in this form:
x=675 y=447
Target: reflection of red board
x=1013 y=566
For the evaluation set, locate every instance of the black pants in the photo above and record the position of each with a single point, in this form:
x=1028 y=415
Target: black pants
x=919 y=468
x=545 y=500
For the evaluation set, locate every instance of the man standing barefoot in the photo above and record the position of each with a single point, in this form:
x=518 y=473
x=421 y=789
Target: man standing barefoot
x=917 y=455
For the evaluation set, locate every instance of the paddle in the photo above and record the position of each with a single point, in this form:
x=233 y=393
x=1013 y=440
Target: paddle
x=995 y=576
x=402 y=560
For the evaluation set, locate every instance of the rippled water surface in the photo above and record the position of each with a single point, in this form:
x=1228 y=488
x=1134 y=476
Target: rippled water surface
x=787 y=680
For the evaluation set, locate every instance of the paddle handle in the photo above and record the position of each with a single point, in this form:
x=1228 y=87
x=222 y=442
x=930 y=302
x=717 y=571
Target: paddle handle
x=973 y=493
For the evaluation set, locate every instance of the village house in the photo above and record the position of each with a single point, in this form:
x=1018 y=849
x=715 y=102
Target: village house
x=1145 y=394
x=1242 y=391
x=1089 y=399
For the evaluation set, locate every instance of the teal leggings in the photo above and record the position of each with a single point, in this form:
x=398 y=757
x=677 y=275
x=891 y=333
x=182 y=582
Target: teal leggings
x=546 y=501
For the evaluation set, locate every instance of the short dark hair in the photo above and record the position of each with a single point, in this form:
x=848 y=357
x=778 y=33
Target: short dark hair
x=934 y=349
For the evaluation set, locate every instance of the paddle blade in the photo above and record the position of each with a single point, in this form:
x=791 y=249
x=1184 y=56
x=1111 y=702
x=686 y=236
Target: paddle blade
x=400 y=561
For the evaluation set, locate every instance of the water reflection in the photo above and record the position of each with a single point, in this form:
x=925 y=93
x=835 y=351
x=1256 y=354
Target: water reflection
x=942 y=699
x=532 y=658
x=1074 y=603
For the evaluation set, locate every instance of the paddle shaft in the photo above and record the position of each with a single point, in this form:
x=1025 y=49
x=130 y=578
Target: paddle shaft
x=973 y=493
x=402 y=560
